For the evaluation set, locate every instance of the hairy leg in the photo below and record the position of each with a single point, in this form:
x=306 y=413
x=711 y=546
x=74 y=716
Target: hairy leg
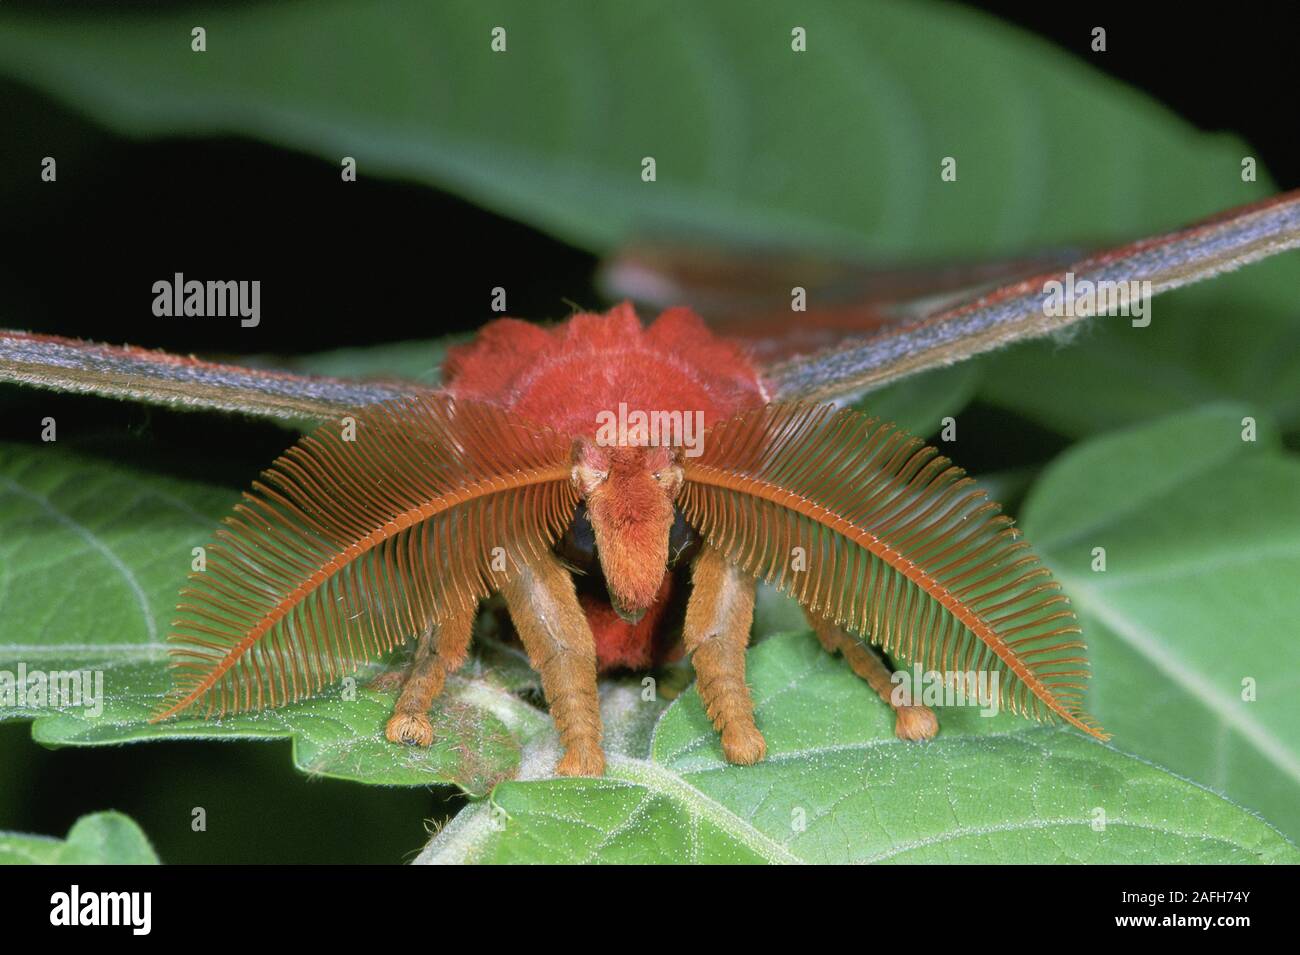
x=441 y=650
x=718 y=617
x=557 y=638
x=911 y=722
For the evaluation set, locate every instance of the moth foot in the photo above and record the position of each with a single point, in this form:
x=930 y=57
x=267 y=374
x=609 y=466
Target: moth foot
x=915 y=723
x=388 y=680
x=582 y=760
x=409 y=728
x=743 y=744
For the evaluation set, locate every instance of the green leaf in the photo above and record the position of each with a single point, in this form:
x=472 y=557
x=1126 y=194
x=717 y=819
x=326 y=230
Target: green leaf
x=103 y=838
x=919 y=404
x=1198 y=600
x=92 y=556
x=838 y=787
x=1235 y=339
x=836 y=147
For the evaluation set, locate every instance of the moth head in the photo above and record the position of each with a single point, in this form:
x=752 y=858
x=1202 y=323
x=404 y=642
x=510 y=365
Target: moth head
x=629 y=493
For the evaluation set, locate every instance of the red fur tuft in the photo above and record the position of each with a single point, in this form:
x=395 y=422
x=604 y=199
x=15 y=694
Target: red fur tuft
x=631 y=515
x=562 y=377
x=623 y=645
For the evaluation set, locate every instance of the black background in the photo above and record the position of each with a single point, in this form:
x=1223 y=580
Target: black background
x=1083 y=901
x=124 y=207
x=73 y=256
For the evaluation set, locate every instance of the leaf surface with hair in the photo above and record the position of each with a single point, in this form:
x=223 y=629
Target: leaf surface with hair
x=1193 y=620
x=838 y=787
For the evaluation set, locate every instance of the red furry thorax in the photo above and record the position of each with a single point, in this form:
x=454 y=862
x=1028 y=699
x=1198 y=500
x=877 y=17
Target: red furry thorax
x=573 y=376
x=563 y=377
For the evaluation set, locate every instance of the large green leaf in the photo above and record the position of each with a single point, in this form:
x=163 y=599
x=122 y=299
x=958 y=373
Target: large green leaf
x=92 y=555
x=838 y=787
x=104 y=838
x=1201 y=532
x=839 y=146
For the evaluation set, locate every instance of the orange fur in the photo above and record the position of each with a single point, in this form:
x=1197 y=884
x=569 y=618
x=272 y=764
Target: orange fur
x=559 y=644
x=629 y=494
x=562 y=377
x=718 y=619
x=441 y=651
x=565 y=376
x=910 y=722
x=624 y=645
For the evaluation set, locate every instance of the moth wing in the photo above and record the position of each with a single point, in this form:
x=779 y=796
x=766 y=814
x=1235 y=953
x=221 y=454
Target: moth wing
x=748 y=294
x=160 y=378
x=866 y=328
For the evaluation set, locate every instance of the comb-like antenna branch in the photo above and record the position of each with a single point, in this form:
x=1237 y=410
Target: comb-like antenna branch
x=869 y=528
x=358 y=537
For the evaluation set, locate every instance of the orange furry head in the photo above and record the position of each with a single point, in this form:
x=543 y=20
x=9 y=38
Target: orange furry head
x=629 y=493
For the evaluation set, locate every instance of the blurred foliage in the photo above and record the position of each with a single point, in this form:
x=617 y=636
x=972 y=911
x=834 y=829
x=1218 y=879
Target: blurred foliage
x=106 y=838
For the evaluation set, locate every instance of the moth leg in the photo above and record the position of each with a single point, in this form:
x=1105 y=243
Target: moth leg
x=441 y=650
x=389 y=680
x=718 y=617
x=558 y=640
x=911 y=722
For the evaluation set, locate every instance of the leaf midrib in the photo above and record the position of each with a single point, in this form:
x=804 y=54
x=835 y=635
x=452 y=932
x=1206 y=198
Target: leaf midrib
x=664 y=782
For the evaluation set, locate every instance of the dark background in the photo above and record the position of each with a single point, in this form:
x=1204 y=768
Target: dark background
x=124 y=208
